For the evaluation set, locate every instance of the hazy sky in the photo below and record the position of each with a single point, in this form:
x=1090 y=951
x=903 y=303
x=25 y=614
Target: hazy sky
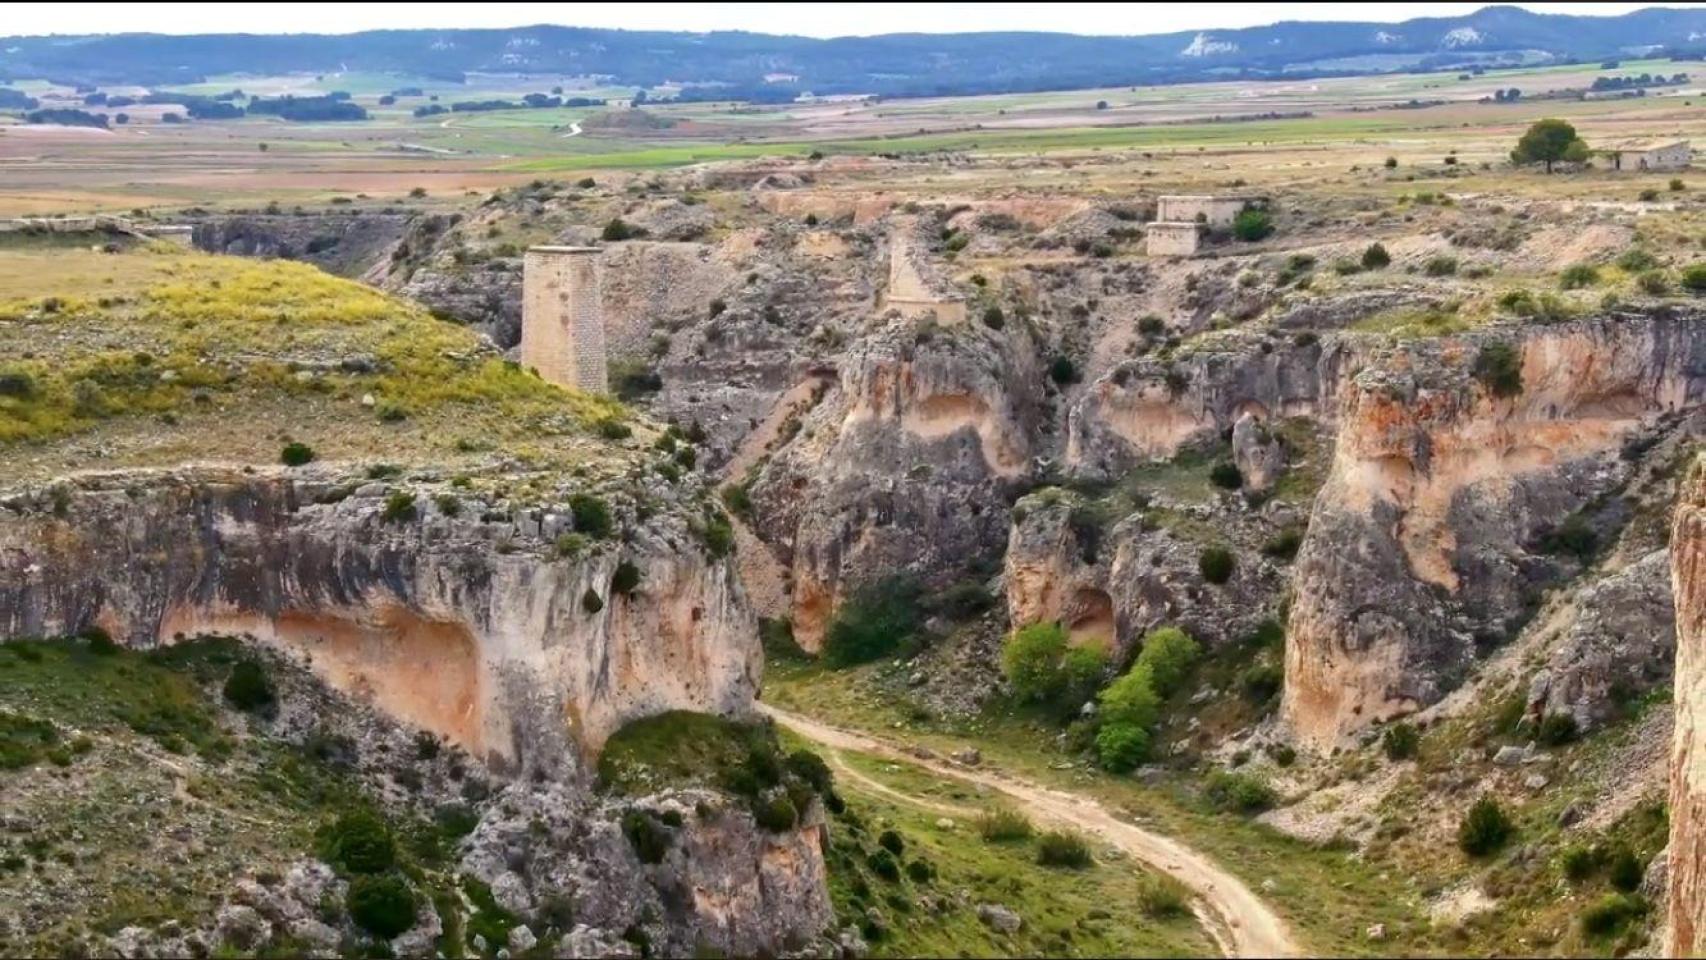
x=809 y=19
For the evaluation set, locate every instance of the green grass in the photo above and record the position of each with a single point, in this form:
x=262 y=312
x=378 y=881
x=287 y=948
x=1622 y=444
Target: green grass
x=1092 y=912
x=675 y=749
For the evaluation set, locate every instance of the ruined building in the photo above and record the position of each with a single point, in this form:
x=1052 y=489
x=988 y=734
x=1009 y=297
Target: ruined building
x=1181 y=220
x=562 y=326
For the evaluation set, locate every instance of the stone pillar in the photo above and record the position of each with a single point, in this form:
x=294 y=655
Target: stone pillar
x=562 y=325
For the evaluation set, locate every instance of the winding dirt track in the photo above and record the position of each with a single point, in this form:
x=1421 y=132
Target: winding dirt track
x=1235 y=918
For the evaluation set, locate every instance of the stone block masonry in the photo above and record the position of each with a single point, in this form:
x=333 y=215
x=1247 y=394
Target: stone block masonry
x=562 y=325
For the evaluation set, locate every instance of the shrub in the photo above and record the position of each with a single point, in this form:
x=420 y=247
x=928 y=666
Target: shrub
x=383 y=906
x=884 y=865
x=1168 y=654
x=1261 y=681
x=1677 y=186
x=1694 y=278
x=648 y=838
x=296 y=454
x=591 y=515
x=358 y=842
x=248 y=688
x=1579 y=862
x=1610 y=914
x=1284 y=544
x=1062 y=371
x=625 y=579
x=612 y=429
x=1625 y=871
x=963 y=600
x=1252 y=225
x=1226 y=475
x=1575 y=537
x=1031 y=660
x=1556 y=729
x=1440 y=266
x=875 y=621
x=1636 y=260
x=586 y=183
x=811 y=769
x=1237 y=793
x=617 y=230
x=776 y=814
x=591 y=602
x=1401 y=741
x=920 y=871
x=17 y=384
x=993 y=318
x=1131 y=700
x=1216 y=564
x=1161 y=898
x=1391 y=163
x=1499 y=369
x=1120 y=747
x=1003 y=825
x=1648 y=195
x=1062 y=848
x=719 y=534
x=1577 y=276
x=892 y=841
x=399 y=508
x=1652 y=283
x=1485 y=828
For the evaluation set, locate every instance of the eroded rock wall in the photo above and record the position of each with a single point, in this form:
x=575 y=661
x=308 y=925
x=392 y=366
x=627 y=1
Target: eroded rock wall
x=1422 y=546
x=1688 y=750
x=468 y=625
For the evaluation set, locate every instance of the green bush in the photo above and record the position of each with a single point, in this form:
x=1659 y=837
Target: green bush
x=592 y=516
x=1676 y=185
x=17 y=384
x=649 y=839
x=1062 y=848
x=1578 y=276
x=993 y=318
x=1226 y=475
x=1575 y=537
x=811 y=769
x=1636 y=260
x=1485 y=828
x=1652 y=283
x=1499 y=368
x=1030 y=660
x=296 y=454
x=383 y=906
x=1284 y=544
x=358 y=842
x=617 y=230
x=1401 y=741
x=1237 y=793
x=1611 y=914
x=884 y=865
x=1441 y=266
x=738 y=499
x=1252 y=225
x=1162 y=898
x=1216 y=564
x=1694 y=278
x=1003 y=825
x=776 y=814
x=719 y=534
x=1375 y=257
x=625 y=579
x=399 y=508
x=591 y=602
x=1579 y=862
x=875 y=621
x=248 y=688
x=892 y=841
x=1120 y=747
x=1259 y=682
x=1131 y=700
x=611 y=428
x=920 y=871
x=1556 y=729
x=1168 y=654
x=1063 y=371
x=1625 y=871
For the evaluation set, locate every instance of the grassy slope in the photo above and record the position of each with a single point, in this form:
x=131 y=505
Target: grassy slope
x=163 y=355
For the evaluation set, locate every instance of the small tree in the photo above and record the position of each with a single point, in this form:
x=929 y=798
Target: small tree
x=1168 y=654
x=1484 y=829
x=1549 y=141
x=1030 y=660
x=1375 y=257
x=1131 y=700
x=1252 y=225
x=1216 y=564
x=1499 y=369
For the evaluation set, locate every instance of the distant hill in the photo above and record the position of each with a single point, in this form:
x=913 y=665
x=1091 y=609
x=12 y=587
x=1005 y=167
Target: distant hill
x=760 y=66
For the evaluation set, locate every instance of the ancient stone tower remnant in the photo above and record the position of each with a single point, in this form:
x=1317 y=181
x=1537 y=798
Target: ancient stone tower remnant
x=1180 y=221
x=562 y=325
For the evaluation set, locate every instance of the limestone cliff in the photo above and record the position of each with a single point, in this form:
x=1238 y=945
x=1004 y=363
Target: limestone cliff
x=1428 y=542
x=899 y=468
x=1688 y=759
x=468 y=624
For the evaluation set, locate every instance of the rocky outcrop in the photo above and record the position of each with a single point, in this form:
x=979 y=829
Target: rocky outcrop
x=469 y=623
x=1428 y=541
x=345 y=244
x=898 y=469
x=1687 y=867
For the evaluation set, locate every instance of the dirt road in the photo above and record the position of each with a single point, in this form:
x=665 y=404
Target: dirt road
x=1237 y=919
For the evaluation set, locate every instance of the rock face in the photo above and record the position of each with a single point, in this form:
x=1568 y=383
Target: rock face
x=1427 y=539
x=897 y=469
x=1687 y=870
x=466 y=625
x=345 y=244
